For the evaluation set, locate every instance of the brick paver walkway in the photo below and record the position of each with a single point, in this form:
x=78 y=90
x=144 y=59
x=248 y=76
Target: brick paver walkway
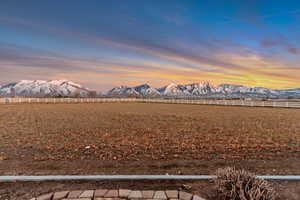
x=104 y=194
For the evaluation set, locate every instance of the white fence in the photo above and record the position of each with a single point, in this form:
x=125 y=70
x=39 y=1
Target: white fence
x=281 y=104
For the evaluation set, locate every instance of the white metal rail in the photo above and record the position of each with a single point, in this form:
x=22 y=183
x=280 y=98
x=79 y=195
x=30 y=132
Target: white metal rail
x=128 y=177
x=249 y=103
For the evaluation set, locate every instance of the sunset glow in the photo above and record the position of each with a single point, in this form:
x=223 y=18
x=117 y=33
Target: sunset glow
x=102 y=44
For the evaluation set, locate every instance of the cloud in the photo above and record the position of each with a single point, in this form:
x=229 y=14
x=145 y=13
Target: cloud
x=268 y=43
x=21 y=56
x=140 y=41
x=156 y=57
x=293 y=50
x=281 y=42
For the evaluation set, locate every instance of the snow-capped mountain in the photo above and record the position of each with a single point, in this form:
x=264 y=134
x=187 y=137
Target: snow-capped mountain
x=293 y=93
x=64 y=88
x=146 y=90
x=203 y=89
x=194 y=89
x=122 y=91
x=232 y=90
x=139 y=91
x=41 y=88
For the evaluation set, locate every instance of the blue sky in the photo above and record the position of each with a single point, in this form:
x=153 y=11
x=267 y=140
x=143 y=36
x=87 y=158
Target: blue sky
x=106 y=43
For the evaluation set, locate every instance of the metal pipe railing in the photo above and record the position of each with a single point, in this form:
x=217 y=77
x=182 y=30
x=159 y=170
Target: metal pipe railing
x=131 y=177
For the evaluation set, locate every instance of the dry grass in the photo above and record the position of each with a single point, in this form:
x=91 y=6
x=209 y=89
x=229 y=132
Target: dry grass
x=235 y=184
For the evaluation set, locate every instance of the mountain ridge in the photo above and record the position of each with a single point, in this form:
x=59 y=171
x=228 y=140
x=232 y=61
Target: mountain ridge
x=205 y=89
x=42 y=88
x=65 y=88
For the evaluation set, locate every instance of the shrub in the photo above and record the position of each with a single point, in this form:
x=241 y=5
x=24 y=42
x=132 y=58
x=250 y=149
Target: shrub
x=235 y=184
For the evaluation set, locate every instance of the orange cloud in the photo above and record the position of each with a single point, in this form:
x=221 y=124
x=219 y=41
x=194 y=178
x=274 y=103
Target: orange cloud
x=179 y=66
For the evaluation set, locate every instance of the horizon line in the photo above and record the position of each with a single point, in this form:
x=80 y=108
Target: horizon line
x=149 y=84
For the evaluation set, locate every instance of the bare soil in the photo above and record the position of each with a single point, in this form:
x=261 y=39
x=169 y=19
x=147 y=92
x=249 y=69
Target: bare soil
x=130 y=138
x=139 y=138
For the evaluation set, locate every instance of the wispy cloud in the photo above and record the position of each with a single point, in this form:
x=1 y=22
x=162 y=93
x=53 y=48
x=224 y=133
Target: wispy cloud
x=155 y=56
x=281 y=42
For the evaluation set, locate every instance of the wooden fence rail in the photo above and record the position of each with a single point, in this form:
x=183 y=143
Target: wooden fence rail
x=249 y=103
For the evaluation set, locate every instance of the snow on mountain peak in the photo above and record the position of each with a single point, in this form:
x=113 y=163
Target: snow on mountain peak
x=143 y=90
x=40 y=88
x=201 y=89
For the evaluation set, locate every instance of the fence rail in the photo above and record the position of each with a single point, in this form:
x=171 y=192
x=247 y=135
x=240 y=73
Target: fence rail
x=249 y=103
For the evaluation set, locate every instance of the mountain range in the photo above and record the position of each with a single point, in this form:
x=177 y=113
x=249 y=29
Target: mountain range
x=41 y=88
x=203 y=89
x=64 y=88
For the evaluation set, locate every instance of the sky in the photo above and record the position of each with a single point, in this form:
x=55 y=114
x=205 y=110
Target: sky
x=106 y=43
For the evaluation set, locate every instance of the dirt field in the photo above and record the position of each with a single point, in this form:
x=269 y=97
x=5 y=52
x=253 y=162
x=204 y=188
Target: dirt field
x=137 y=138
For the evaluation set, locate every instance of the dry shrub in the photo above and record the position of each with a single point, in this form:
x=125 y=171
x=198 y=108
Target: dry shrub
x=235 y=184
